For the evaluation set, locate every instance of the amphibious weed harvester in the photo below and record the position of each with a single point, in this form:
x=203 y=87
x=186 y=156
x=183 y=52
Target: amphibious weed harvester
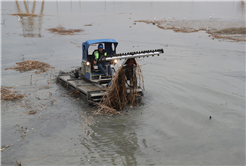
x=89 y=81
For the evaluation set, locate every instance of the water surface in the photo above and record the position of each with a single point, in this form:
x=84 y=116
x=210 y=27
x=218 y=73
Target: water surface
x=195 y=78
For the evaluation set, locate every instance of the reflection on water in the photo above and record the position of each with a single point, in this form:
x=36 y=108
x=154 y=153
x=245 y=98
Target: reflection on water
x=241 y=7
x=114 y=144
x=31 y=23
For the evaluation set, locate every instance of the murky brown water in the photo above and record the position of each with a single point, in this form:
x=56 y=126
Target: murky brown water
x=195 y=78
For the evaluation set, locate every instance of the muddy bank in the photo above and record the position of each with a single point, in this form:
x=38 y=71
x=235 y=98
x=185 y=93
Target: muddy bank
x=218 y=29
x=237 y=34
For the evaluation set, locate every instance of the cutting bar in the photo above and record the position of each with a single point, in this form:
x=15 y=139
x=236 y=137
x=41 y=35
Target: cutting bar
x=131 y=55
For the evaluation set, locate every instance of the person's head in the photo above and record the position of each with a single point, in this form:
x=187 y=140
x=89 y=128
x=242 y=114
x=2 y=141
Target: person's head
x=100 y=47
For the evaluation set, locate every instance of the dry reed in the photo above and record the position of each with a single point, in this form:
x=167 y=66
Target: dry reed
x=31 y=112
x=116 y=97
x=88 y=24
x=7 y=94
x=31 y=65
x=5 y=147
x=62 y=31
x=25 y=15
x=74 y=92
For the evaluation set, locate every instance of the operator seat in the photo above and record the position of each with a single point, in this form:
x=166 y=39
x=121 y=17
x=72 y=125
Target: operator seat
x=94 y=68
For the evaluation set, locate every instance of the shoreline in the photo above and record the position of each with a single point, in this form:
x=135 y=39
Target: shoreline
x=213 y=27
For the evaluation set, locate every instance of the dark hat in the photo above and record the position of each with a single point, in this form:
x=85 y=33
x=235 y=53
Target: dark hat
x=100 y=46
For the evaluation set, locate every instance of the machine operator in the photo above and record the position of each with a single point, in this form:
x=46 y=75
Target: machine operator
x=97 y=55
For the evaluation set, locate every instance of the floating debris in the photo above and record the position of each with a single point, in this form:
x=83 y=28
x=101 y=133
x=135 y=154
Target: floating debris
x=18 y=163
x=23 y=131
x=88 y=24
x=62 y=31
x=31 y=65
x=7 y=94
x=25 y=15
x=32 y=112
x=74 y=92
x=5 y=147
x=53 y=101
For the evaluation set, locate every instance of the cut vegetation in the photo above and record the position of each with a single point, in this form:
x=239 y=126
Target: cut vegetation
x=25 y=15
x=7 y=94
x=116 y=97
x=62 y=31
x=28 y=65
